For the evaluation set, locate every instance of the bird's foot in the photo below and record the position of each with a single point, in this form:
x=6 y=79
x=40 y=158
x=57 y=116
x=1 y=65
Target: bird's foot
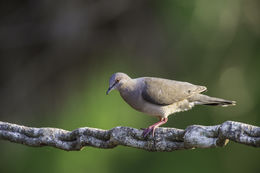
x=148 y=130
x=154 y=126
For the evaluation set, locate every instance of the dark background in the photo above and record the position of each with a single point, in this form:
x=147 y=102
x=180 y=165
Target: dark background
x=56 y=58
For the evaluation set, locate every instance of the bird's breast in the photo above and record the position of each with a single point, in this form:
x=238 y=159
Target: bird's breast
x=133 y=99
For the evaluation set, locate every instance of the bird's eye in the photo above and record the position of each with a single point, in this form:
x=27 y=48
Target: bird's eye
x=117 y=80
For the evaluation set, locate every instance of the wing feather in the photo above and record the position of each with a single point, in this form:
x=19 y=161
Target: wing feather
x=165 y=92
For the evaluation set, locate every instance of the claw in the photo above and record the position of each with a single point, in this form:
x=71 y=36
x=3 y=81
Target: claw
x=147 y=131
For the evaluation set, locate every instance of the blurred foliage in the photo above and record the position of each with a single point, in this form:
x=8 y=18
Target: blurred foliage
x=56 y=59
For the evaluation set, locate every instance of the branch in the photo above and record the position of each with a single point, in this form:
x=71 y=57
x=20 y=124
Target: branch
x=165 y=139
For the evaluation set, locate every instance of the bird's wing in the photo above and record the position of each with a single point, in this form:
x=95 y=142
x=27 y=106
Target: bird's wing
x=165 y=92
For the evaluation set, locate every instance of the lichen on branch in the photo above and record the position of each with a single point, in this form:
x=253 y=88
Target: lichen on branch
x=165 y=139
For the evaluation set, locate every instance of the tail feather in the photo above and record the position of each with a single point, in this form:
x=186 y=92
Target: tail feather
x=200 y=99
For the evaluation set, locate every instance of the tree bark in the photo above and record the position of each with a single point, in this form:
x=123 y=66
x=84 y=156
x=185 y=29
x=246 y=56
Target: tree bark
x=165 y=139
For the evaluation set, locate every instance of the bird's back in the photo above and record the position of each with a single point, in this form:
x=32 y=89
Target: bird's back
x=165 y=92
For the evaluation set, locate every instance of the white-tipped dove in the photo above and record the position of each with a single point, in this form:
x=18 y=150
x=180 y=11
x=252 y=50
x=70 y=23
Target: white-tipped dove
x=161 y=97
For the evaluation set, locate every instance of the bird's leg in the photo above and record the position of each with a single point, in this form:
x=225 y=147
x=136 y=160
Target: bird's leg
x=154 y=126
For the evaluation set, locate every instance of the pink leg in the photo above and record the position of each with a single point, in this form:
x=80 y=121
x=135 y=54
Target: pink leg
x=154 y=126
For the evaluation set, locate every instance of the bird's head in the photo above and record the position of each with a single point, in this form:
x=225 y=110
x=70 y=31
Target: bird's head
x=117 y=80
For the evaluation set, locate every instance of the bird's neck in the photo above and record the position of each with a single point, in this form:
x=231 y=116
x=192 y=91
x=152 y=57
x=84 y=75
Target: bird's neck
x=127 y=87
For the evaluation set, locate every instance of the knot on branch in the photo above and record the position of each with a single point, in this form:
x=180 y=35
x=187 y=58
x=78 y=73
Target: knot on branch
x=201 y=136
x=241 y=133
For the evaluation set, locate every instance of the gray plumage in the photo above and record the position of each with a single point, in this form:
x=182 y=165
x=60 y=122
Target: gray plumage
x=161 y=97
x=165 y=92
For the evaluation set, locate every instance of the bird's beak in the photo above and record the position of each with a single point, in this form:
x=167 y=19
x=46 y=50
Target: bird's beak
x=110 y=88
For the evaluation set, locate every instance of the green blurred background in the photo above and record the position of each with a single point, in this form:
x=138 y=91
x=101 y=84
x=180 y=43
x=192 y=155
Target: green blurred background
x=56 y=58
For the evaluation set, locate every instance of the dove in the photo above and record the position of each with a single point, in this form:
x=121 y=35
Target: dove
x=160 y=97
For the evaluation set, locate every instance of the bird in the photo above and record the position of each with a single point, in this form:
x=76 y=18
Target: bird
x=161 y=97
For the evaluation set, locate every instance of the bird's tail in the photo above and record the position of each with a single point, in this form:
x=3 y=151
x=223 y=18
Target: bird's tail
x=200 y=99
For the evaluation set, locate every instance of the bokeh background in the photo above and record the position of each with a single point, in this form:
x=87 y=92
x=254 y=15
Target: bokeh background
x=56 y=58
